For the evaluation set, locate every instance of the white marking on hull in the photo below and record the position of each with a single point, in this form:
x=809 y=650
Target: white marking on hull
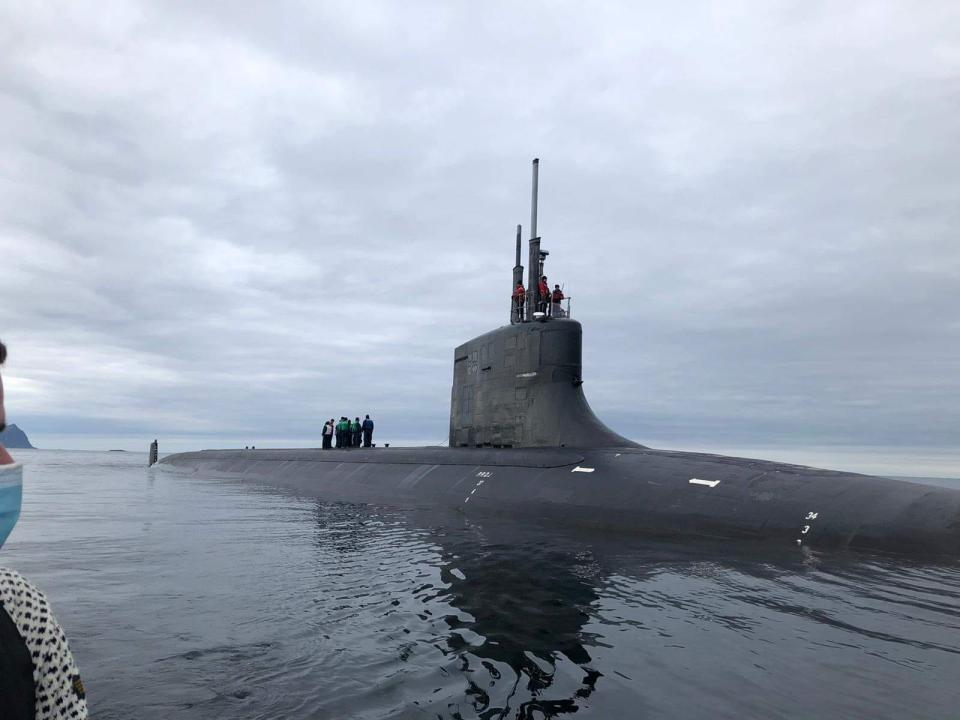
x=708 y=483
x=812 y=515
x=475 y=488
x=582 y=469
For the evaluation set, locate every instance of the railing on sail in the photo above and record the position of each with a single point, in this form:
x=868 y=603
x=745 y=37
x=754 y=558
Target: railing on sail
x=560 y=309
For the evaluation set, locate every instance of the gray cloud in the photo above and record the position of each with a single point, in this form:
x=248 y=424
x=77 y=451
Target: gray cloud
x=224 y=222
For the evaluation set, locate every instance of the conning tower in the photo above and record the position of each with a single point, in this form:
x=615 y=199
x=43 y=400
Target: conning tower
x=520 y=385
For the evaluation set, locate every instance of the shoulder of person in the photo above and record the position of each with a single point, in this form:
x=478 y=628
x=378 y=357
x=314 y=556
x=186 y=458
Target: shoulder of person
x=15 y=589
x=59 y=689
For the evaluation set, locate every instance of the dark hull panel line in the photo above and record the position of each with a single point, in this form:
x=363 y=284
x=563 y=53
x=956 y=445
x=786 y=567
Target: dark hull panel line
x=524 y=442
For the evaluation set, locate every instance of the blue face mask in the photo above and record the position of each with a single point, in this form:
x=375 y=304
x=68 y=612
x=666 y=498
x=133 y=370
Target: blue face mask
x=11 y=495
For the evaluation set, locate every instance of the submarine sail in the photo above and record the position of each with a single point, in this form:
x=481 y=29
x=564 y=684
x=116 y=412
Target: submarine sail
x=521 y=386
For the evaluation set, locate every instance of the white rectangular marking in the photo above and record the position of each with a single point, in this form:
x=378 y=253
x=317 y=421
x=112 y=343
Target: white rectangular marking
x=582 y=469
x=708 y=483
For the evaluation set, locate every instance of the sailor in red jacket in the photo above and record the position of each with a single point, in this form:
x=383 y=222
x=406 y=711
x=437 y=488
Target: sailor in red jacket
x=544 y=294
x=519 y=296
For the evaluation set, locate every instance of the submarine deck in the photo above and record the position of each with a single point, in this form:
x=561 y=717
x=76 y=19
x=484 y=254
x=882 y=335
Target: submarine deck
x=631 y=489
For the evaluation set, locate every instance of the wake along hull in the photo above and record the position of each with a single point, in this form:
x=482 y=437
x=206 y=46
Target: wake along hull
x=629 y=490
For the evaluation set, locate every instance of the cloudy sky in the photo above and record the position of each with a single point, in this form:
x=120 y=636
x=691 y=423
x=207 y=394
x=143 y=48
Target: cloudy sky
x=221 y=223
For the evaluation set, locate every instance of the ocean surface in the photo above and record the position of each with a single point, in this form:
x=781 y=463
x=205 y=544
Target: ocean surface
x=190 y=597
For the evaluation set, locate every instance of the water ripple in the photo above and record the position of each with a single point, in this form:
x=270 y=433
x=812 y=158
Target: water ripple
x=192 y=597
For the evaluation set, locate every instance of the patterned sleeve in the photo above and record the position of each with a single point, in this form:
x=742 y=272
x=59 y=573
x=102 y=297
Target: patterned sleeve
x=59 y=690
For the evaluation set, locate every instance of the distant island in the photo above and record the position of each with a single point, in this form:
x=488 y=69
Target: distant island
x=14 y=437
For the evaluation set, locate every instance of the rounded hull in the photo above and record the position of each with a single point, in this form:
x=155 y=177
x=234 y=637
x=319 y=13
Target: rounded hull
x=630 y=490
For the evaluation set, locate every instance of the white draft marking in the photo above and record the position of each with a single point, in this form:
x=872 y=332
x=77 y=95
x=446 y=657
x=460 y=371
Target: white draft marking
x=811 y=516
x=708 y=483
x=527 y=374
x=582 y=469
x=475 y=488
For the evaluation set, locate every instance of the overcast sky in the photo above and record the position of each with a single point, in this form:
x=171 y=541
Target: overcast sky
x=221 y=223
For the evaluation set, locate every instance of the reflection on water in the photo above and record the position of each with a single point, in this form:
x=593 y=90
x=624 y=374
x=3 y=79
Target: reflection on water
x=519 y=616
x=195 y=598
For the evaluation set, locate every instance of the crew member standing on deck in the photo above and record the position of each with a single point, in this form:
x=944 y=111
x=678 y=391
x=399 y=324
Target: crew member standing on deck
x=340 y=424
x=355 y=432
x=557 y=301
x=519 y=300
x=327 y=433
x=367 y=431
x=544 y=295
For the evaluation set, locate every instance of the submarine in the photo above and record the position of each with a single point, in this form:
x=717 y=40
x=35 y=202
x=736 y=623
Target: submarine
x=524 y=442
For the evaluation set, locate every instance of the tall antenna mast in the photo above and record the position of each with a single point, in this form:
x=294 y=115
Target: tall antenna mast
x=533 y=199
x=533 y=266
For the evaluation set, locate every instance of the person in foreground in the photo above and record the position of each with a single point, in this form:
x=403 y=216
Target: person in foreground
x=38 y=676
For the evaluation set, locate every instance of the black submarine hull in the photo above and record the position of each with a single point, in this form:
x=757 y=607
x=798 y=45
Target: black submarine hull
x=625 y=490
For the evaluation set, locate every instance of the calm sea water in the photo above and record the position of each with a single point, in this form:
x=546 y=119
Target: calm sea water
x=188 y=597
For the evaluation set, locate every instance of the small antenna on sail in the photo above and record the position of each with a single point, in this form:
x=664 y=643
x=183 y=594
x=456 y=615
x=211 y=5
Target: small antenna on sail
x=516 y=314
